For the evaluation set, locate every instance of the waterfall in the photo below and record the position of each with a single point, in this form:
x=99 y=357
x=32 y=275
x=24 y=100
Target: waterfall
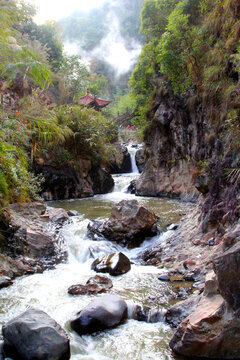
x=132 y=151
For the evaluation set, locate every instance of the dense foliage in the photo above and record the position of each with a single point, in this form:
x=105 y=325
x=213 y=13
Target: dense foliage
x=194 y=46
x=36 y=78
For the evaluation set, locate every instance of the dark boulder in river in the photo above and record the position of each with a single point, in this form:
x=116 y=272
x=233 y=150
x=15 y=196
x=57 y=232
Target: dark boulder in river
x=129 y=224
x=34 y=335
x=102 y=313
x=114 y=264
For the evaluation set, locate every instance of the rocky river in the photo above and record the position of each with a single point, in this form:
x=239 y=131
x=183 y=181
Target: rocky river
x=141 y=285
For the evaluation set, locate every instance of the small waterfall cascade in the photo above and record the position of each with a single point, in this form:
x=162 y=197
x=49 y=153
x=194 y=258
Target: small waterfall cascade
x=132 y=151
x=48 y=291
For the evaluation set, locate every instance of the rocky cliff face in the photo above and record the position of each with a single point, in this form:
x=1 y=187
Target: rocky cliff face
x=74 y=182
x=174 y=147
x=189 y=157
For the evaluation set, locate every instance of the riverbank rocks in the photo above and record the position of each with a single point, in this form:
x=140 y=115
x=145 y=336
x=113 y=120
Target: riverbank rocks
x=114 y=264
x=5 y=281
x=95 y=285
x=212 y=330
x=34 y=335
x=102 y=313
x=33 y=239
x=129 y=224
x=67 y=182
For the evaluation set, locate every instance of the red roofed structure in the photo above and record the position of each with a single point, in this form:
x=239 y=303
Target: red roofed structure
x=91 y=101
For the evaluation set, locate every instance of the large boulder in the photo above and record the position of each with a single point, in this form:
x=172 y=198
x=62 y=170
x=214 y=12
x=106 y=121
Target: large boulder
x=129 y=224
x=34 y=335
x=114 y=264
x=227 y=269
x=95 y=285
x=212 y=330
x=102 y=313
x=35 y=232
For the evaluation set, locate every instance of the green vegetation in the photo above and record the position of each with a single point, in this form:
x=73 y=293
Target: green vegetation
x=191 y=45
x=40 y=118
x=194 y=46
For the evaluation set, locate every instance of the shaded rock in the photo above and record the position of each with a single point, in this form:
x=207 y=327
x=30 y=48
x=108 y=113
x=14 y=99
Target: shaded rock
x=149 y=315
x=95 y=285
x=102 y=181
x=5 y=282
x=129 y=224
x=202 y=183
x=73 y=213
x=178 y=312
x=211 y=242
x=193 y=275
x=65 y=182
x=132 y=187
x=102 y=313
x=227 y=269
x=1 y=351
x=35 y=335
x=120 y=161
x=13 y=267
x=140 y=159
x=114 y=264
x=230 y=238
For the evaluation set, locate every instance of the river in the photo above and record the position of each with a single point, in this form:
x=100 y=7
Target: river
x=132 y=340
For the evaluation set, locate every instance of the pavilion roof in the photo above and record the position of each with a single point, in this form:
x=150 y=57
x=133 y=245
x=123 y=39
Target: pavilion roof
x=89 y=100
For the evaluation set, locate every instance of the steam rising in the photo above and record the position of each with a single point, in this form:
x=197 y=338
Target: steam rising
x=112 y=47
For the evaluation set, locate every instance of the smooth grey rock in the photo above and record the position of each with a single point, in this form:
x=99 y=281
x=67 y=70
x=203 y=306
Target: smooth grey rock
x=34 y=335
x=164 y=277
x=102 y=313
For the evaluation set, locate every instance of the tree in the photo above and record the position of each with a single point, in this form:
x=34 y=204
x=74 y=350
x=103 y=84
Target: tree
x=15 y=56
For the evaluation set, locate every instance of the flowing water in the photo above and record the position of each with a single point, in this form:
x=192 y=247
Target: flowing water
x=132 y=340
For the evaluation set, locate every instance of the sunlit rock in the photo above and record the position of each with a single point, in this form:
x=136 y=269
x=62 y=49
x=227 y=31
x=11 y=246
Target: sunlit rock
x=129 y=224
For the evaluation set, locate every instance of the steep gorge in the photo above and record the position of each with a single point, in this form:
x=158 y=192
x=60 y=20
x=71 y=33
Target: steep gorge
x=190 y=158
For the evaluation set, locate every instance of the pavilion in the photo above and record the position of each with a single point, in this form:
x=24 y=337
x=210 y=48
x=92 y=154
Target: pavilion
x=93 y=102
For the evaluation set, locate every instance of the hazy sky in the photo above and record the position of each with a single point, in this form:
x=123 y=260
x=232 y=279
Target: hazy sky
x=55 y=9
x=111 y=48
